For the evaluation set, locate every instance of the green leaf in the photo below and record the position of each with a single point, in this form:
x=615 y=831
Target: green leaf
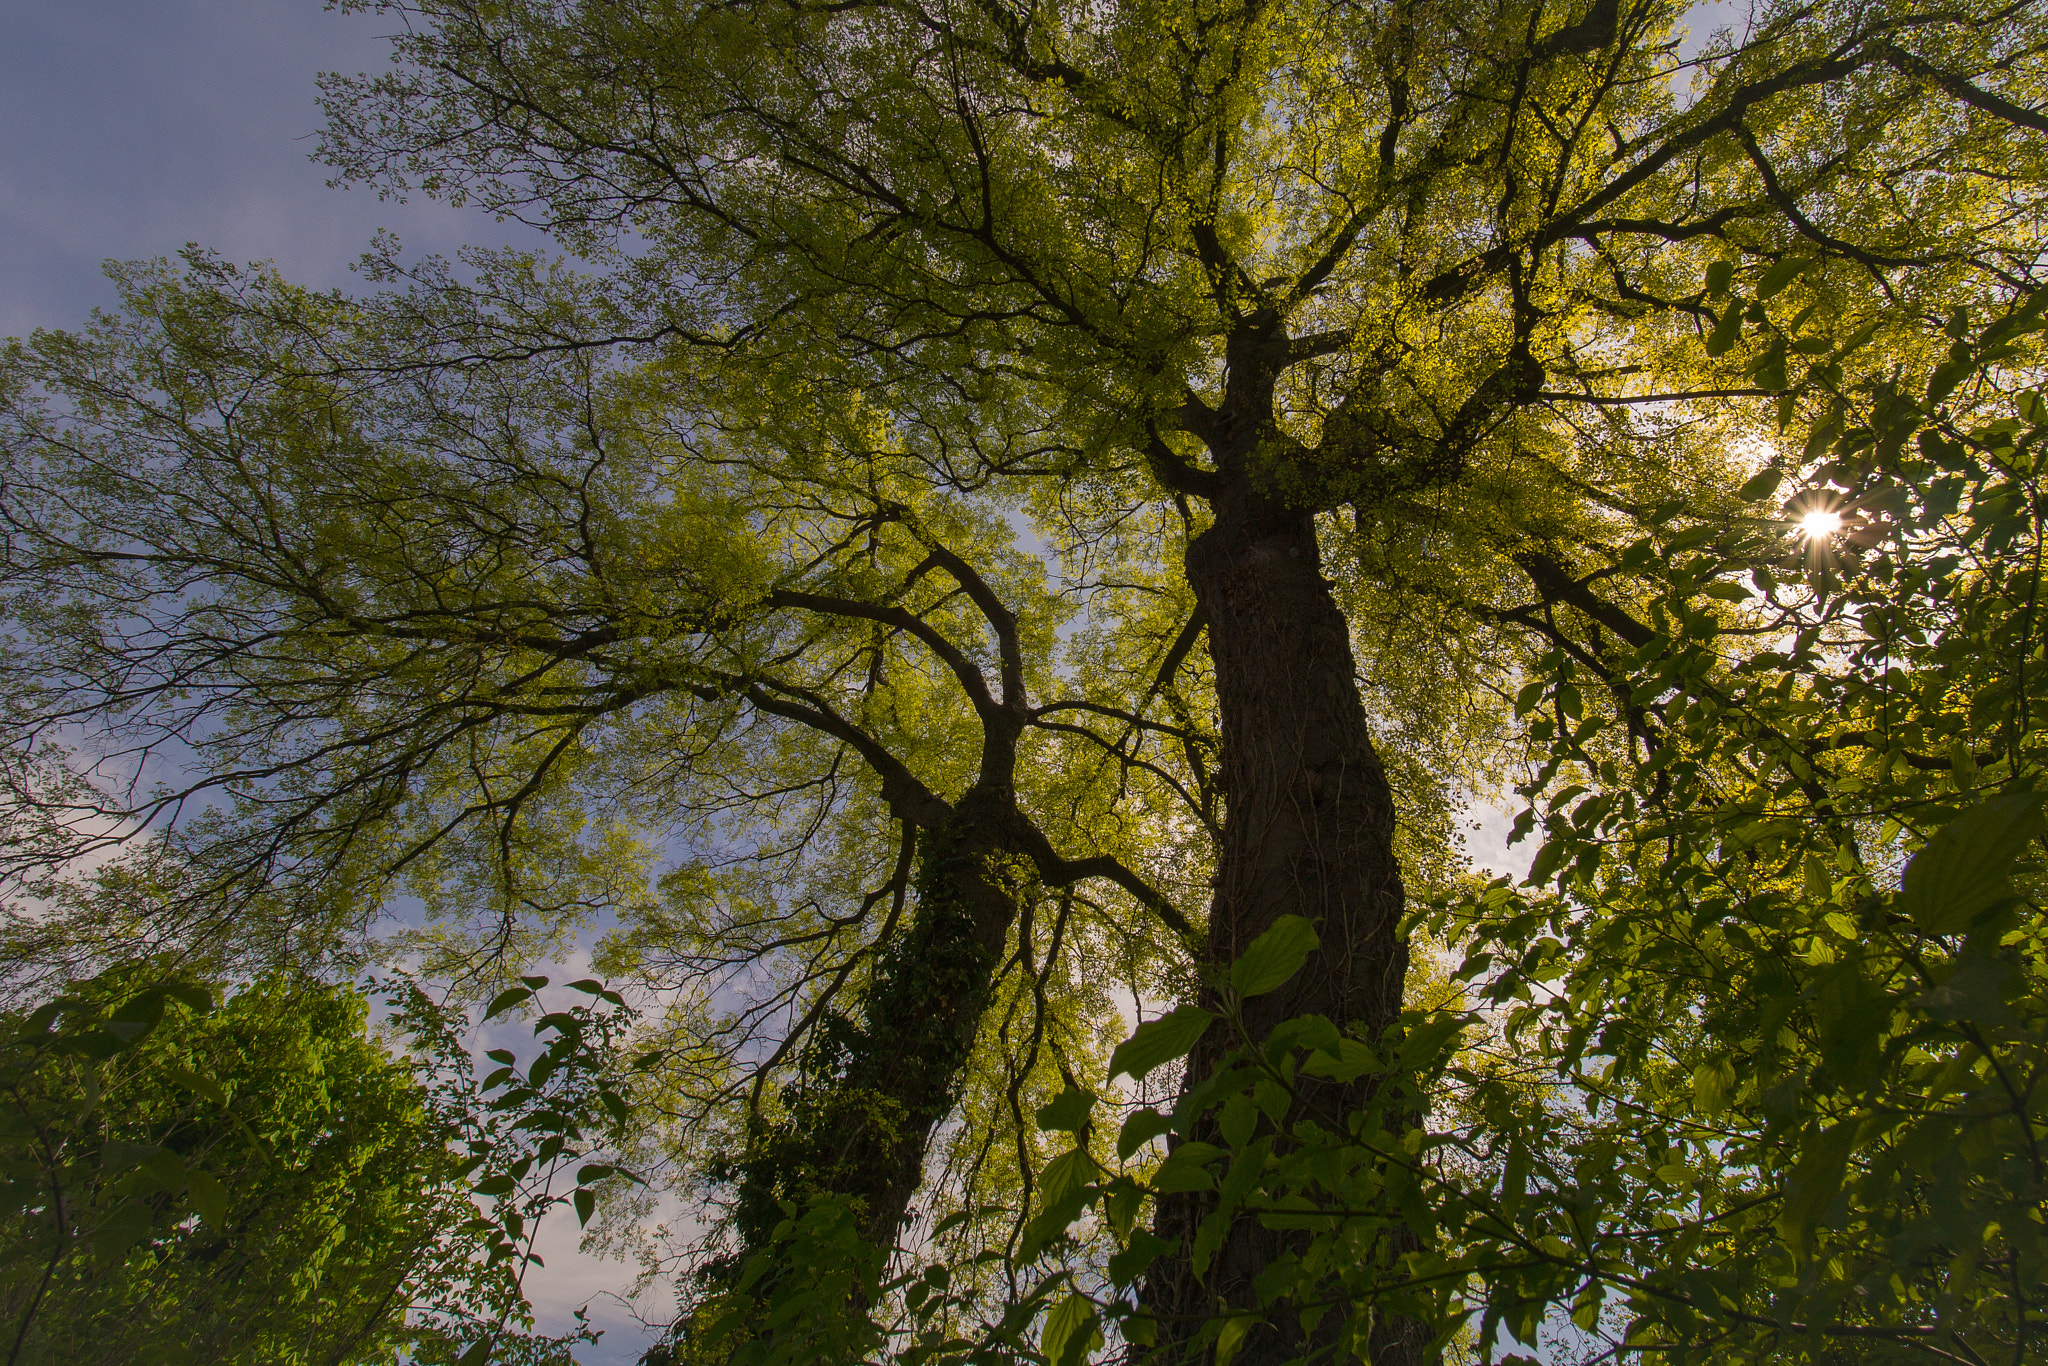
x=478 y=1354
x=136 y=1016
x=199 y=999
x=1341 y=1060
x=1303 y=1031
x=1712 y=1083
x=1720 y=274
x=1726 y=329
x=1230 y=1337
x=1144 y=1248
x=1427 y=1039
x=1067 y=1113
x=1140 y=1129
x=209 y=1198
x=1692 y=538
x=1065 y=1174
x=1274 y=957
x=205 y=1087
x=1823 y=1159
x=1769 y=369
x=1762 y=484
x=1773 y=281
x=621 y=1113
x=1186 y=1168
x=1976 y=991
x=1051 y=1223
x=589 y=986
x=1071 y=1331
x=1515 y=1181
x=586 y=1205
x=591 y=1173
x=1967 y=866
x=535 y=982
x=505 y=1000
x=1159 y=1041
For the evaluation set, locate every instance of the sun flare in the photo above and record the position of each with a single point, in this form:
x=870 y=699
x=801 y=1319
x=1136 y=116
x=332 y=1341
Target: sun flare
x=1819 y=523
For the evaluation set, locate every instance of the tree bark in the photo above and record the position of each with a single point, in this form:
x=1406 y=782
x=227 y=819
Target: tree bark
x=1308 y=831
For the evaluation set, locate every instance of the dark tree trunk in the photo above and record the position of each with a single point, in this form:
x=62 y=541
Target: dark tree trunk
x=873 y=1084
x=1308 y=831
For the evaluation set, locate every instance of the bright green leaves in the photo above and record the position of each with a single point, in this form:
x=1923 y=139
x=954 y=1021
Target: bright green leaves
x=1966 y=867
x=1789 y=1083
x=267 y=1132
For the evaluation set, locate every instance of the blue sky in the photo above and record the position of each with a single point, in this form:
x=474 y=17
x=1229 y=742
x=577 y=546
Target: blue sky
x=132 y=127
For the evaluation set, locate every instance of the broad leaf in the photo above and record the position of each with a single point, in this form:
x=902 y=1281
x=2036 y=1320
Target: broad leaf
x=1159 y=1041
x=1967 y=866
x=1067 y=1113
x=1274 y=957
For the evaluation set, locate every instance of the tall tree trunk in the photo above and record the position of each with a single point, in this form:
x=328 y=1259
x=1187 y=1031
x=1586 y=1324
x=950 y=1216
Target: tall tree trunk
x=1309 y=831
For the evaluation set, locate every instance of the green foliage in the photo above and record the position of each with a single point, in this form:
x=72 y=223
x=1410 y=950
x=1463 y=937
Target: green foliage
x=520 y=1134
x=1750 y=1067
x=257 y=1182
x=1798 y=1113
x=489 y=592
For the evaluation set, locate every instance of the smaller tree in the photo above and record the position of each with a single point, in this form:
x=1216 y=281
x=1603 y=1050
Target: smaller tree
x=257 y=1182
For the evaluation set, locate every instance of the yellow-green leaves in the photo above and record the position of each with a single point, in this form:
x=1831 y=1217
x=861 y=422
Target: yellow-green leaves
x=1072 y=1330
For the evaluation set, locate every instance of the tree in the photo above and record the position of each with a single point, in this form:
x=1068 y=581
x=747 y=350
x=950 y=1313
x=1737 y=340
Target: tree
x=1213 y=274
x=253 y=1182
x=1752 y=1067
x=1278 y=261
x=667 y=605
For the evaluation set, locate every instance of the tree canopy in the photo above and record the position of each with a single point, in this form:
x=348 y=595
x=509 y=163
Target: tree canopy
x=1024 y=508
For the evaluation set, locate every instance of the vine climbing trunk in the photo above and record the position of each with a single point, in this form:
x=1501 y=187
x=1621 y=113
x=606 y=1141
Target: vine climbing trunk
x=1308 y=831
x=876 y=1081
